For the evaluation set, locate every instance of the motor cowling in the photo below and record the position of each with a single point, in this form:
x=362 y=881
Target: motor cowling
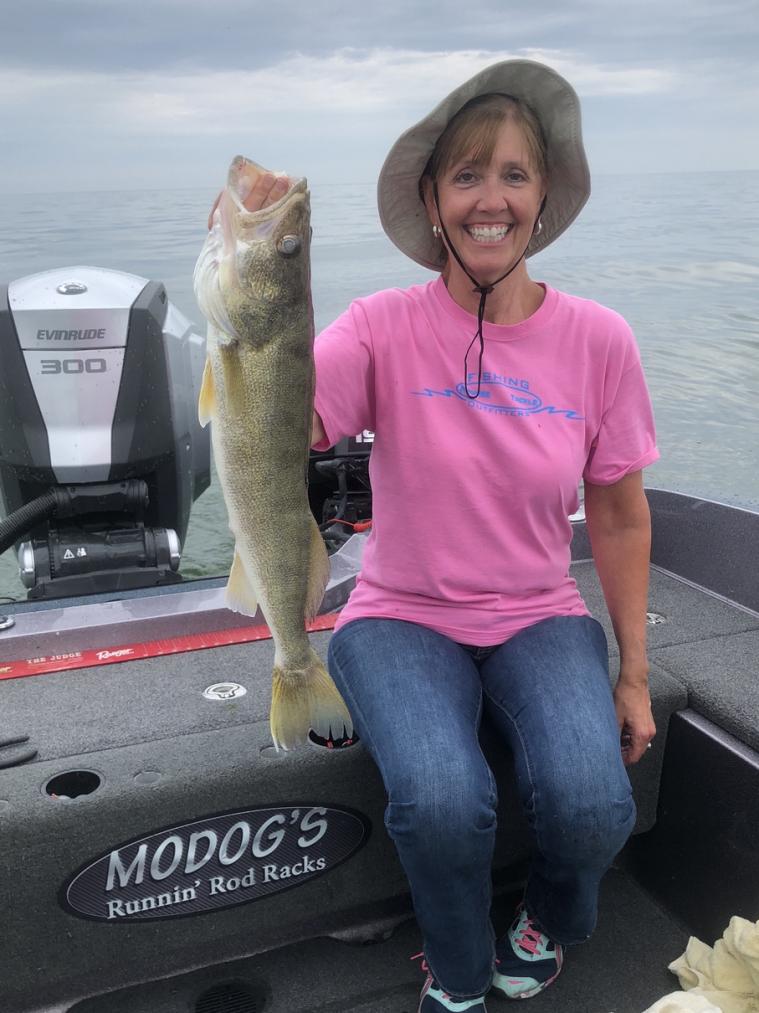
x=99 y=382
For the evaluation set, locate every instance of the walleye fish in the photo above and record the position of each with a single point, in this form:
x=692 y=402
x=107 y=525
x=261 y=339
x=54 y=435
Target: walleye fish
x=252 y=283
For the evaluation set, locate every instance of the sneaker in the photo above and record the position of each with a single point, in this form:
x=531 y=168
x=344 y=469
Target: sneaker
x=434 y=1000
x=526 y=960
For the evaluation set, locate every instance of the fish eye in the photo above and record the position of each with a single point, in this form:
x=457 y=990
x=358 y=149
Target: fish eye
x=288 y=246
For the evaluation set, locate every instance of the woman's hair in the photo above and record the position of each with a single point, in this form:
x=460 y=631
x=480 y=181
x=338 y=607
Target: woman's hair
x=472 y=132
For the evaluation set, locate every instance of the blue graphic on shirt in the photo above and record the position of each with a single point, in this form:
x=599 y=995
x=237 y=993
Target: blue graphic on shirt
x=501 y=395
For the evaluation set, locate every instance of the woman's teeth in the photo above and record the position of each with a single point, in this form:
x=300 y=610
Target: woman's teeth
x=488 y=233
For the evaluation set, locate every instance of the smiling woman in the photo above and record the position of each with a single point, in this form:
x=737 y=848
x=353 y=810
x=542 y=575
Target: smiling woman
x=486 y=202
x=480 y=611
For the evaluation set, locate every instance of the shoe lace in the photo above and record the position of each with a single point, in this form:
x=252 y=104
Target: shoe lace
x=426 y=967
x=529 y=937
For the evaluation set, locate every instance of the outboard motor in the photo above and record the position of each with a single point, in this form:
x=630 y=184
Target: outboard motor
x=101 y=451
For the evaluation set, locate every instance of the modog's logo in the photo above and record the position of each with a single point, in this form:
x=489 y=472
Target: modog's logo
x=215 y=862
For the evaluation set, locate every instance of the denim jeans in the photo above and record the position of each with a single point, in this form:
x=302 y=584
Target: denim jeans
x=416 y=698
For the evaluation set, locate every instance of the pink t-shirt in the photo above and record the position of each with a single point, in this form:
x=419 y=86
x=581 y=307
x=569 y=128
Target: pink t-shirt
x=471 y=499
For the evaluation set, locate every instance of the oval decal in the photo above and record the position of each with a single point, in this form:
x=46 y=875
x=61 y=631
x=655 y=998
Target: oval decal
x=502 y=394
x=215 y=862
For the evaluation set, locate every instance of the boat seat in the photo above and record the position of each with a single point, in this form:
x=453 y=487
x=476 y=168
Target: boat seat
x=720 y=675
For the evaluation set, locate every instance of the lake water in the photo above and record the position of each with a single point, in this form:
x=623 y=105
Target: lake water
x=674 y=254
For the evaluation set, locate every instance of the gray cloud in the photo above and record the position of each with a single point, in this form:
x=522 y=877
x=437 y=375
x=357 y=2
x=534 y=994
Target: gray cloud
x=103 y=94
x=110 y=35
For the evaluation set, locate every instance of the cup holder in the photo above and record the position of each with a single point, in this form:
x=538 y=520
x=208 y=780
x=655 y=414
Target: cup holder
x=72 y=784
x=332 y=744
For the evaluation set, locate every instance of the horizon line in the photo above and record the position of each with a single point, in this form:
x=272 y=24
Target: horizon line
x=321 y=183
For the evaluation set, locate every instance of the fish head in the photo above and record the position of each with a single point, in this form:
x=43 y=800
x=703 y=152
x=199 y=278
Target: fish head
x=256 y=273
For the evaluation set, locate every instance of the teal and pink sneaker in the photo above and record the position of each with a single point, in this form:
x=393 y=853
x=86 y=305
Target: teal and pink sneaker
x=526 y=960
x=434 y=1000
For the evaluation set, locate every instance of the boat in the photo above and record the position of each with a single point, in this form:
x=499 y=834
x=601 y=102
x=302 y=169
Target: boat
x=159 y=855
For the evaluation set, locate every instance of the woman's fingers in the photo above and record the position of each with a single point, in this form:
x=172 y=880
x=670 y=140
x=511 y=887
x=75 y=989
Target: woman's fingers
x=215 y=205
x=635 y=719
x=635 y=742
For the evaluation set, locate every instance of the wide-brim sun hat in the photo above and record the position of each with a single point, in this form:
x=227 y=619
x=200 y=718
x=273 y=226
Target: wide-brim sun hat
x=557 y=107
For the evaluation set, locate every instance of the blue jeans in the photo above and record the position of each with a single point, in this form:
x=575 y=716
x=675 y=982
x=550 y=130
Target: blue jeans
x=416 y=698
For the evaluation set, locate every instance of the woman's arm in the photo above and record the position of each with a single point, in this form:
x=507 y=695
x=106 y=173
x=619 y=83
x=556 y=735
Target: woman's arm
x=317 y=430
x=619 y=526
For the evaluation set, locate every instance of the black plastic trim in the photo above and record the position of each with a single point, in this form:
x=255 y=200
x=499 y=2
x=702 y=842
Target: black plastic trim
x=701 y=860
x=143 y=431
x=708 y=543
x=703 y=541
x=26 y=470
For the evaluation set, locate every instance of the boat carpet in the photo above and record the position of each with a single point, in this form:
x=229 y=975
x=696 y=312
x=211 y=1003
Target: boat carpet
x=622 y=969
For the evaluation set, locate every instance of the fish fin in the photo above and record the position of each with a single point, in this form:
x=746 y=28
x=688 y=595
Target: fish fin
x=240 y=595
x=306 y=698
x=207 y=399
x=318 y=571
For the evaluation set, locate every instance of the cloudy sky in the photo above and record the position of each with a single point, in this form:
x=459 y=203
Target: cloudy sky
x=108 y=94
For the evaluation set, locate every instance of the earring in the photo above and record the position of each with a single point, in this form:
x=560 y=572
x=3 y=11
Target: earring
x=435 y=231
x=538 y=228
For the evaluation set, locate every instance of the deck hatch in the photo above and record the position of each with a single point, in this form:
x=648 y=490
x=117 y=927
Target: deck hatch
x=230 y=997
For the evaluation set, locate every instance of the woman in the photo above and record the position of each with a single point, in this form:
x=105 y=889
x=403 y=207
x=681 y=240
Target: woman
x=491 y=396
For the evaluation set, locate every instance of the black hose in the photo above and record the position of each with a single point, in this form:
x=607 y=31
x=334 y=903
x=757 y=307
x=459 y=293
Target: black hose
x=128 y=496
x=25 y=518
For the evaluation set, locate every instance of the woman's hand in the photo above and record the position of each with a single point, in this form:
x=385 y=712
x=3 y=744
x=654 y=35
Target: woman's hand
x=268 y=189
x=633 y=706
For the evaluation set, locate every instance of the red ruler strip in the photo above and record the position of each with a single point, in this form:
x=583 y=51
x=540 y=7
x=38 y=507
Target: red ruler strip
x=149 y=649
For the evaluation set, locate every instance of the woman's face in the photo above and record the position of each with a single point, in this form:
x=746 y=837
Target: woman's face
x=489 y=211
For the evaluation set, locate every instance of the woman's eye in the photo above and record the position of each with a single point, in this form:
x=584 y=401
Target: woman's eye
x=516 y=177
x=465 y=176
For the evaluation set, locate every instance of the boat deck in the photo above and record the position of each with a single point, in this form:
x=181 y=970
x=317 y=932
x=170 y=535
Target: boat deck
x=342 y=942
x=623 y=969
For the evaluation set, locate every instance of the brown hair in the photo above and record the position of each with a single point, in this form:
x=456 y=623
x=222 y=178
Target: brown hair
x=472 y=131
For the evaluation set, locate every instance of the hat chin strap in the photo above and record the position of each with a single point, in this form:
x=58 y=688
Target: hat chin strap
x=484 y=291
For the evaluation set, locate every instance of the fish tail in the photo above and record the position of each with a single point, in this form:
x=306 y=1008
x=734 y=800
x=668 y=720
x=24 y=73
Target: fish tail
x=303 y=699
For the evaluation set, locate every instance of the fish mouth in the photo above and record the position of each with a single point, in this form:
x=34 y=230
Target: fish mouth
x=244 y=166
x=299 y=186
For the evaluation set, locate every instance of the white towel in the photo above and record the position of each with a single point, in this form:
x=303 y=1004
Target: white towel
x=683 y=1002
x=719 y=979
